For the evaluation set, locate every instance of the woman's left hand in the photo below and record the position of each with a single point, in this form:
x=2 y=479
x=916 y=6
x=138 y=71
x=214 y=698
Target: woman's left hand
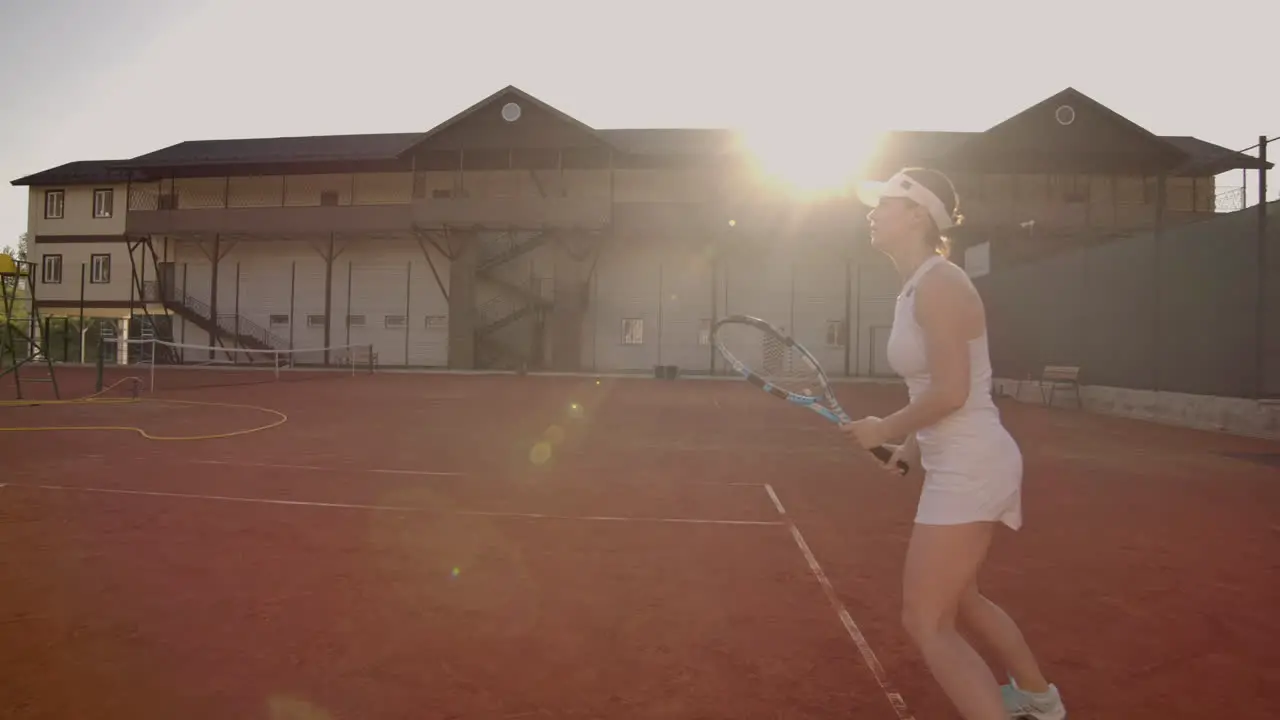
x=867 y=432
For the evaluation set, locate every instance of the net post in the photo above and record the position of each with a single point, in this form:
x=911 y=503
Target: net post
x=276 y=363
x=153 y=364
x=370 y=358
x=100 y=365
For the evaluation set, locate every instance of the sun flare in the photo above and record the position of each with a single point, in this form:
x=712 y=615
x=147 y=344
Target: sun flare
x=811 y=160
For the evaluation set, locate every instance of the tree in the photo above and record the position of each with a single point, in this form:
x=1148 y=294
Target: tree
x=20 y=251
x=16 y=291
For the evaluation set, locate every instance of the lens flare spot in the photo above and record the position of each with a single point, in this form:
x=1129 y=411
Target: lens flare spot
x=540 y=453
x=455 y=572
x=553 y=435
x=575 y=410
x=282 y=707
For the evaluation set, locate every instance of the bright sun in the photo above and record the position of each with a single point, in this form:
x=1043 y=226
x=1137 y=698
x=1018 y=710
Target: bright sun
x=811 y=160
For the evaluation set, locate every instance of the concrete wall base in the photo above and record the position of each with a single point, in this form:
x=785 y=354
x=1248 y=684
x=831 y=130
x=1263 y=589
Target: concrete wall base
x=1238 y=416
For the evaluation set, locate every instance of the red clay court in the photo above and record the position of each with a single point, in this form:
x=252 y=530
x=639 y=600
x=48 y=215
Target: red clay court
x=404 y=546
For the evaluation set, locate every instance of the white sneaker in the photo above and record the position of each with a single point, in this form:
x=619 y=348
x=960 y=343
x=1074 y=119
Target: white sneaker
x=1023 y=705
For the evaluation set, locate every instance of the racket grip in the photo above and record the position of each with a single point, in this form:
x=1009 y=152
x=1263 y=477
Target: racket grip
x=883 y=454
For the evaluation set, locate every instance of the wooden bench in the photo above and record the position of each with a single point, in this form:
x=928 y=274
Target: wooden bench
x=1056 y=376
x=364 y=357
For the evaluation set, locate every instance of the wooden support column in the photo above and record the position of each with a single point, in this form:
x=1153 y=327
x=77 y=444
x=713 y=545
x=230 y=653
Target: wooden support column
x=328 y=252
x=215 y=257
x=1157 y=247
x=566 y=321
x=328 y=296
x=462 y=300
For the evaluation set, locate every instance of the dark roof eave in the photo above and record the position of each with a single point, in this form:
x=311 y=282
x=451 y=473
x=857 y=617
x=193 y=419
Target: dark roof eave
x=1240 y=162
x=78 y=172
x=261 y=166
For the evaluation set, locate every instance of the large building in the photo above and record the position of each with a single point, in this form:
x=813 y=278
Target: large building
x=513 y=234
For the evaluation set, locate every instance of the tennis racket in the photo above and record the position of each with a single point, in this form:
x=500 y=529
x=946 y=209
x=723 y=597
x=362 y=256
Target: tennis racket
x=783 y=368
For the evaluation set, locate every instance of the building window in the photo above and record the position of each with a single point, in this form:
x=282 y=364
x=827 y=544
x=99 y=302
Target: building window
x=432 y=322
x=316 y=321
x=99 y=269
x=394 y=322
x=103 y=203
x=51 y=269
x=54 y=204
x=632 y=331
x=835 y=333
x=279 y=320
x=355 y=321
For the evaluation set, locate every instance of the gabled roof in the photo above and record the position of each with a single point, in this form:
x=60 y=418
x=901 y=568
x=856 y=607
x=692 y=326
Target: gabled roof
x=913 y=147
x=510 y=90
x=1091 y=135
x=1071 y=96
x=80 y=172
x=314 y=148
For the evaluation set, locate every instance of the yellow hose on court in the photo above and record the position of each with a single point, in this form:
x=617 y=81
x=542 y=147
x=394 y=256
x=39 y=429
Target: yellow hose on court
x=95 y=399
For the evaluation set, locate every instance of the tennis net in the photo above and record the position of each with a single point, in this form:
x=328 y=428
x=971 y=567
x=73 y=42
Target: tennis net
x=164 y=365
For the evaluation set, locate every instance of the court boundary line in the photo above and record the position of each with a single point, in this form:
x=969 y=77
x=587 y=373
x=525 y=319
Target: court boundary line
x=359 y=469
x=643 y=375
x=870 y=660
x=406 y=509
x=323 y=468
x=851 y=627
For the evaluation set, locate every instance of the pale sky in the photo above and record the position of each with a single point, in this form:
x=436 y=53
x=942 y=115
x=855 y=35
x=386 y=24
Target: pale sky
x=87 y=80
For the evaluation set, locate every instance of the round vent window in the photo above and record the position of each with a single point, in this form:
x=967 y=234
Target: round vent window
x=1065 y=115
x=511 y=112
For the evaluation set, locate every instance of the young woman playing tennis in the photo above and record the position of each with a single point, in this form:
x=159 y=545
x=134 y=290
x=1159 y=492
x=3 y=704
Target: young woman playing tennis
x=972 y=466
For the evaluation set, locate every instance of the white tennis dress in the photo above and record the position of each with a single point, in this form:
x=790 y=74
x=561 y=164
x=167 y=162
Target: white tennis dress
x=973 y=466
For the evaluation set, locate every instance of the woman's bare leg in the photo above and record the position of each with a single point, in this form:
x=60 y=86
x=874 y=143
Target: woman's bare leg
x=992 y=627
x=942 y=563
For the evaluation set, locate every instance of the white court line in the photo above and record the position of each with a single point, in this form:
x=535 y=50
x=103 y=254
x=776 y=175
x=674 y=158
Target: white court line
x=399 y=508
x=320 y=468
x=851 y=627
x=376 y=471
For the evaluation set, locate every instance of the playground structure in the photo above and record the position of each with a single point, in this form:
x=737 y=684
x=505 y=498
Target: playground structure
x=18 y=291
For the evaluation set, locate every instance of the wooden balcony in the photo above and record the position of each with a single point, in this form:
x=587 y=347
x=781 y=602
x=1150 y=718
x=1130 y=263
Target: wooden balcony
x=520 y=212
x=271 y=221
x=208 y=209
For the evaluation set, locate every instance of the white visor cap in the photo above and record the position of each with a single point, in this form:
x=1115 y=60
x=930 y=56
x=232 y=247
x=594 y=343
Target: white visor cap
x=902 y=185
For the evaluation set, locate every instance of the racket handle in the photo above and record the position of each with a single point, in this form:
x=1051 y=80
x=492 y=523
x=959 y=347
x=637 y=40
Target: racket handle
x=883 y=454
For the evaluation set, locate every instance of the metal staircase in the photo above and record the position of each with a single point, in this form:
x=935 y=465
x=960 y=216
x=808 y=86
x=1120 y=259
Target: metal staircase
x=504 y=248
x=241 y=330
x=514 y=303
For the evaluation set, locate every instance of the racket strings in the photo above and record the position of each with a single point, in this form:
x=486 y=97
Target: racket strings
x=788 y=368
x=771 y=358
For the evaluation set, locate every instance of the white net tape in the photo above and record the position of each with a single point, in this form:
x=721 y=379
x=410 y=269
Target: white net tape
x=150 y=353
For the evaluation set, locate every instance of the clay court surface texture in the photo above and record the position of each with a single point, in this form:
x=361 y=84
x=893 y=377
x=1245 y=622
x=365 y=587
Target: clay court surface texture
x=399 y=545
